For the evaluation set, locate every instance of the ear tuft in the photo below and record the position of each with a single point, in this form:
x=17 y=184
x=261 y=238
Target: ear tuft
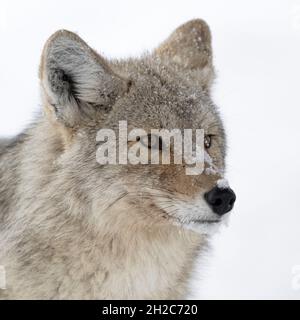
x=189 y=46
x=72 y=74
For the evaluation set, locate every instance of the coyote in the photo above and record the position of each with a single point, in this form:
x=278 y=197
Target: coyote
x=71 y=228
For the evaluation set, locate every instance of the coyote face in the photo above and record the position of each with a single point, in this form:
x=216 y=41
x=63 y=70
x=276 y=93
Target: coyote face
x=83 y=93
x=165 y=90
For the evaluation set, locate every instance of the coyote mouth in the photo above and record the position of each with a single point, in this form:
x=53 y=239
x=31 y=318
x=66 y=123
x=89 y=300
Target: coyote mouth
x=201 y=226
x=196 y=221
x=203 y=221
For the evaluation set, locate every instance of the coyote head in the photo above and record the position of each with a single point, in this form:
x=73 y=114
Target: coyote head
x=168 y=88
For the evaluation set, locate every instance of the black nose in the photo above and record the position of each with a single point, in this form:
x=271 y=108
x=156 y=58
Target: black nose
x=220 y=200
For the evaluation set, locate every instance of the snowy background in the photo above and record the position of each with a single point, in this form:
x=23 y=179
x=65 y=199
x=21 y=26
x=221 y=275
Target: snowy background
x=257 y=50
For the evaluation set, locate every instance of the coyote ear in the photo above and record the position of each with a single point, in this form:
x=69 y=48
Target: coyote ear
x=189 y=46
x=75 y=79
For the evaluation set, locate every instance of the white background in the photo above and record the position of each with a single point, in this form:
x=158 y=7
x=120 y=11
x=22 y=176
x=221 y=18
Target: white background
x=256 y=49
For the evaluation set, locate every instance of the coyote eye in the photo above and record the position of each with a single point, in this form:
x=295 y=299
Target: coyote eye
x=152 y=141
x=207 y=141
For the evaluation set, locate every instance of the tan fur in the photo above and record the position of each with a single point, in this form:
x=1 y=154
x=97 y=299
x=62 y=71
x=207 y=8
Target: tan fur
x=71 y=228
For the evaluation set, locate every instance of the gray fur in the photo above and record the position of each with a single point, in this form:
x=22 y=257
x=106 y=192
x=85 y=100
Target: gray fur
x=70 y=228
